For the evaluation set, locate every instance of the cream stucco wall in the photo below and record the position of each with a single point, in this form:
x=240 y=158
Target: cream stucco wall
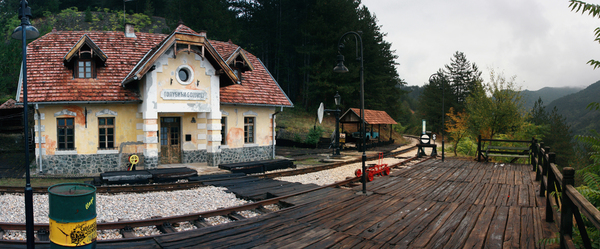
x=127 y=126
x=235 y=125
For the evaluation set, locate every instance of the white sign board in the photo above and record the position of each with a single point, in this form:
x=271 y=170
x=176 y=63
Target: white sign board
x=178 y=94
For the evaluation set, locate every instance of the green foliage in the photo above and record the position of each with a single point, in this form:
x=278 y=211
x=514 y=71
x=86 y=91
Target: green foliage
x=455 y=82
x=88 y=15
x=314 y=136
x=495 y=108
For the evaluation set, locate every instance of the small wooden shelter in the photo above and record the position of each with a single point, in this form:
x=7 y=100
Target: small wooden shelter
x=372 y=117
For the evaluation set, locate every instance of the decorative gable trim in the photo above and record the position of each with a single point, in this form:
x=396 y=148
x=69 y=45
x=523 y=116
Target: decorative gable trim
x=65 y=112
x=106 y=112
x=245 y=62
x=85 y=39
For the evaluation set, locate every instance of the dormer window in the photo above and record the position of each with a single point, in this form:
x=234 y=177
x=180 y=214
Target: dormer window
x=85 y=69
x=84 y=57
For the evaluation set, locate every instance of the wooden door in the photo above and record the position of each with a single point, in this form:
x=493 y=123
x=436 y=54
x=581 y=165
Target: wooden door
x=170 y=137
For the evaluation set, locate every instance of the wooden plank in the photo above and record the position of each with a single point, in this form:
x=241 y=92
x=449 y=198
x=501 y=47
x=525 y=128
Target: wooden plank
x=527 y=233
x=425 y=236
x=348 y=242
x=483 y=195
x=523 y=196
x=479 y=232
x=441 y=187
x=510 y=177
x=518 y=178
x=464 y=229
x=360 y=227
x=442 y=235
x=513 y=198
x=368 y=213
x=493 y=195
x=343 y=217
x=495 y=234
x=458 y=190
x=513 y=228
x=301 y=240
x=329 y=241
x=468 y=190
x=503 y=195
x=405 y=232
x=383 y=225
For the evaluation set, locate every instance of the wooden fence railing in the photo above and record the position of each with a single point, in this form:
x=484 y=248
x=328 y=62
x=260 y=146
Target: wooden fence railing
x=569 y=203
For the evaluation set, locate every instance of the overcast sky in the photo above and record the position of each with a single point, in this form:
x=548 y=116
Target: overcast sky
x=541 y=42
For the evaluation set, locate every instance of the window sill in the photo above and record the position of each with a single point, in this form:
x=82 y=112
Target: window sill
x=250 y=145
x=65 y=152
x=103 y=151
x=224 y=146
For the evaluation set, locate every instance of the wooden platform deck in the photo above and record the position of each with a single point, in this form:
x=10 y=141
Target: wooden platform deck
x=454 y=204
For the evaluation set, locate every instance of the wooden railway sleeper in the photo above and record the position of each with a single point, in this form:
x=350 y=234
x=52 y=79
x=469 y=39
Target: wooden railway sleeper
x=1 y=233
x=201 y=222
x=43 y=235
x=127 y=232
x=235 y=216
x=166 y=228
x=263 y=210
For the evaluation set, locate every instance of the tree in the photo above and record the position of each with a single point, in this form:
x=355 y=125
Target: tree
x=456 y=82
x=495 y=108
x=463 y=77
x=457 y=127
x=556 y=133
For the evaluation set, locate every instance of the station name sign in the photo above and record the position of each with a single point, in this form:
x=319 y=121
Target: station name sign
x=176 y=94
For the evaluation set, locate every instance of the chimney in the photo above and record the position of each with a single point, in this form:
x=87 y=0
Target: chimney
x=202 y=33
x=130 y=30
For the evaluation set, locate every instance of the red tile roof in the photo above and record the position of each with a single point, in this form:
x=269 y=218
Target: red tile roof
x=10 y=104
x=49 y=80
x=257 y=86
x=372 y=116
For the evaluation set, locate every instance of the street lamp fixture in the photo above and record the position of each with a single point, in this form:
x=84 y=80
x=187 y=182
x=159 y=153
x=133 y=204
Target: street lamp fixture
x=23 y=33
x=340 y=68
x=431 y=79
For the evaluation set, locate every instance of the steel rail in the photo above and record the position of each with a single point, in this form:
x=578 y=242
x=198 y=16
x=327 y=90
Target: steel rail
x=187 y=185
x=194 y=216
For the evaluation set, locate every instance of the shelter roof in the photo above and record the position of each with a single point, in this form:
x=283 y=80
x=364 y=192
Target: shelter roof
x=352 y=115
x=10 y=104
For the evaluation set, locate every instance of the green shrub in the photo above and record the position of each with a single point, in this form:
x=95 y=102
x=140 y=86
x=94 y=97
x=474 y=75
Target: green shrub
x=314 y=136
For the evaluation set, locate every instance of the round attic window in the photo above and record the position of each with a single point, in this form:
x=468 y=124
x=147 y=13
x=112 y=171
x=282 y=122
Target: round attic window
x=184 y=74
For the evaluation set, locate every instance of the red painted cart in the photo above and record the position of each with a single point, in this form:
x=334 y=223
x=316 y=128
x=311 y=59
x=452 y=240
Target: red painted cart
x=380 y=169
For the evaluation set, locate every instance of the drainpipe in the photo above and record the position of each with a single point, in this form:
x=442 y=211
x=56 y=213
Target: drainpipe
x=273 y=125
x=37 y=109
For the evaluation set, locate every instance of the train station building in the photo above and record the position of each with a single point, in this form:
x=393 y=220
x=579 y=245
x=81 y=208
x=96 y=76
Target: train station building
x=101 y=96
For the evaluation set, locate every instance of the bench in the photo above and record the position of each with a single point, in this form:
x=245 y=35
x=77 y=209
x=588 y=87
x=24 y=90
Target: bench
x=502 y=151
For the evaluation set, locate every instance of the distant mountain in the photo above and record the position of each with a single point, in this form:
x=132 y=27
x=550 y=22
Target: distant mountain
x=573 y=108
x=548 y=94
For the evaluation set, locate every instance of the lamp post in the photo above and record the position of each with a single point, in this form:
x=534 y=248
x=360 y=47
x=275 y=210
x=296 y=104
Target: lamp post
x=340 y=68
x=338 y=100
x=431 y=79
x=23 y=33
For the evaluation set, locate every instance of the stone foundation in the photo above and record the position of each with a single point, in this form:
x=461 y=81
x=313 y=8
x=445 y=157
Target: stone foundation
x=94 y=164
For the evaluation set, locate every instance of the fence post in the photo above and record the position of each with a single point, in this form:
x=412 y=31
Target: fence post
x=545 y=166
x=532 y=157
x=479 y=148
x=566 y=214
x=551 y=188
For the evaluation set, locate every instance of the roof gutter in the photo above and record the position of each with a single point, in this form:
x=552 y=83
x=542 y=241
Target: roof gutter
x=83 y=102
x=265 y=105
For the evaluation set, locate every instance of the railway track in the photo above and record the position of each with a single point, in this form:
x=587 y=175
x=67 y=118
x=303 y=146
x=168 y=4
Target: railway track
x=163 y=224
x=141 y=188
